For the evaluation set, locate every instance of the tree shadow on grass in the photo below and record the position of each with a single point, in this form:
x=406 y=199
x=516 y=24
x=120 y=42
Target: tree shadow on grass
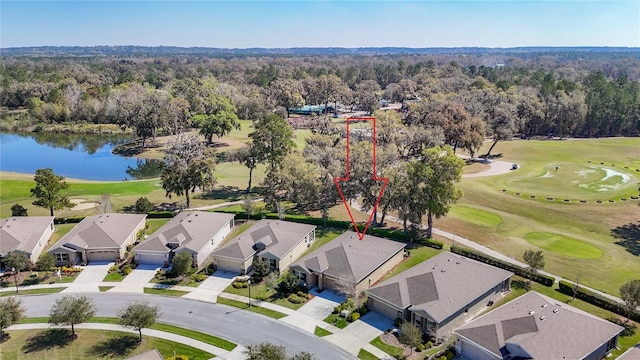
x=114 y=347
x=629 y=235
x=48 y=339
x=629 y=327
x=229 y=193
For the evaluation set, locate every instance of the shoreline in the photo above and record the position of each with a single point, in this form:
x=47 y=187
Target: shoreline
x=26 y=176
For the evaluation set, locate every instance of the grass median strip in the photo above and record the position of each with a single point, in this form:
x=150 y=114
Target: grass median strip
x=321 y=332
x=33 y=291
x=365 y=355
x=256 y=309
x=196 y=335
x=192 y=334
x=167 y=292
x=105 y=288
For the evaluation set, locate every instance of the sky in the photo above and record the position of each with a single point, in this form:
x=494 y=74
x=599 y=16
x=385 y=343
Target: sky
x=283 y=24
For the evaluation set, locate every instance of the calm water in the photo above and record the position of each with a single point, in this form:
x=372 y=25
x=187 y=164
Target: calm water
x=71 y=155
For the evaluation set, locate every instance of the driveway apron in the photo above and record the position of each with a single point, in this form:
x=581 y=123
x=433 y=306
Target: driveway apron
x=90 y=277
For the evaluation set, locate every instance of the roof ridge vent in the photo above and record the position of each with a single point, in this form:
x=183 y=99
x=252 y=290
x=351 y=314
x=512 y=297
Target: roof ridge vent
x=555 y=311
x=542 y=317
x=443 y=270
x=531 y=312
x=544 y=305
x=458 y=262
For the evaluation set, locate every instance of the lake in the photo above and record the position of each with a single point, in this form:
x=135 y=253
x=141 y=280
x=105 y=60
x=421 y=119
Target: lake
x=75 y=156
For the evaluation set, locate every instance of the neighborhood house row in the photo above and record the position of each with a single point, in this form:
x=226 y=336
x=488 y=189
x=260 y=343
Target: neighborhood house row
x=441 y=295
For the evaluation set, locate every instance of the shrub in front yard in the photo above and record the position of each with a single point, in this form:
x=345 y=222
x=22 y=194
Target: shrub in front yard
x=240 y=284
x=296 y=299
x=355 y=316
x=126 y=270
x=198 y=277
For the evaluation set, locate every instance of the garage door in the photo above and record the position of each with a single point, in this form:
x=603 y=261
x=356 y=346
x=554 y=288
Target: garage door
x=153 y=259
x=383 y=309
x=471 y=352
x=226 y=265
x=106 y=255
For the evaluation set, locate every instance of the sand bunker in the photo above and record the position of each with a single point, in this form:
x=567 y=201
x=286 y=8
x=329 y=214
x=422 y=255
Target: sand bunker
x=83 y=204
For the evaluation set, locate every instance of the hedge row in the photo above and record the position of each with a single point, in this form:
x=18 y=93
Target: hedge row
x=597 y=300
x=167 y=214
x=520 y=271
x=68 y=220
x=386 y=233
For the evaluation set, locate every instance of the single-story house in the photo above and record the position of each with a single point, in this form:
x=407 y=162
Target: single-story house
x=349 y=260
x=534 y=326
x=198 y=232
x=27 y=234
x=276 y=241
x=439 y=294
x=98 y=238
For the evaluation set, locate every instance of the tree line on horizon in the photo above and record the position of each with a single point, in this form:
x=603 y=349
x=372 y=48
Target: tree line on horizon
x=531 y=95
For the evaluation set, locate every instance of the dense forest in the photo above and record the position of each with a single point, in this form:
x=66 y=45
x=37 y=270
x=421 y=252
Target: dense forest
x=466 y=92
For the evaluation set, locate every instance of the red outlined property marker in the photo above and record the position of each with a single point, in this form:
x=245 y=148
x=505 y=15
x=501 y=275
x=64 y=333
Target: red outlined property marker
x=385 y=181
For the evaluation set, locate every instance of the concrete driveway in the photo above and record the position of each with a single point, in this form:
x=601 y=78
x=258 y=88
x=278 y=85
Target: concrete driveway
x=141 y=274
x=90 y=277
x=318 y=308
x=209 y=289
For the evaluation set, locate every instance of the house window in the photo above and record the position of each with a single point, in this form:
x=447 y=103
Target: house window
x=612 y=344
x=62 y=257
x=418 y=321
x=300 y=275
x=431 y=325
x=272 y=263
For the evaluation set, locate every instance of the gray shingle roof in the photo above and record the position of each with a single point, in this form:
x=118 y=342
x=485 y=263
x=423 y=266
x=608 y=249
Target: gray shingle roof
x=440 y=286
x=22 y=233
x=542 y=327
x=100 y=231
x=191 y=229
x=279 y=237
x=348 y=257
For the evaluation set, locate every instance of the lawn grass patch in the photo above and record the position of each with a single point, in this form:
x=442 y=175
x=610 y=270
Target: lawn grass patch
x=256 y=309
x=90 y=344
x=167 y=292
x=114 y=276
x=394 y=351
x=475 y=215
x=365 y=355
x=196 y=335
x=418 y=254
x=33 y=291
x=563 y=245
x=337 y=321
x=321 y=332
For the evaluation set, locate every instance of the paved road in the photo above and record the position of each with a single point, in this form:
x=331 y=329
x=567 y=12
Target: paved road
x=240 y=326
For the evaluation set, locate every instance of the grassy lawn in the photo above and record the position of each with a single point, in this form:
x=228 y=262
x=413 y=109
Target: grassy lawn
x=105 y=288
x=196 y=335
x=154 y=224
x=389 y=349
x=33 y=291
x=337 y=321
x=563 y=245
x=205 y=338
x=256 y=309
x=321 y=332
x=575 y=237
x=260 y=292
x=166 y=292
x=114 y=276
x=417 y=255
x=365 y=355
x=90 y=344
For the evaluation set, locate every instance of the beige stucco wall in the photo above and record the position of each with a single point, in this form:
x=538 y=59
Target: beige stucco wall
x=381 y=271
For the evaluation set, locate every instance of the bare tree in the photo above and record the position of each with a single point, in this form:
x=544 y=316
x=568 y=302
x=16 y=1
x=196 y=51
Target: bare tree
x=104 y=204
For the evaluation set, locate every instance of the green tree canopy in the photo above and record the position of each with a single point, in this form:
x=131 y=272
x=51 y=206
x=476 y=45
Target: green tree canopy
x=410 y=335
x=18 y=210
x=630 y=294
x=48 y=190
x=138 y=315
x=182 y=262
x=219 y=118
x=11 y=312
x=16 y=259
x=535 y=260
x=71 y=310
x=46 y=262
x=187 y=166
